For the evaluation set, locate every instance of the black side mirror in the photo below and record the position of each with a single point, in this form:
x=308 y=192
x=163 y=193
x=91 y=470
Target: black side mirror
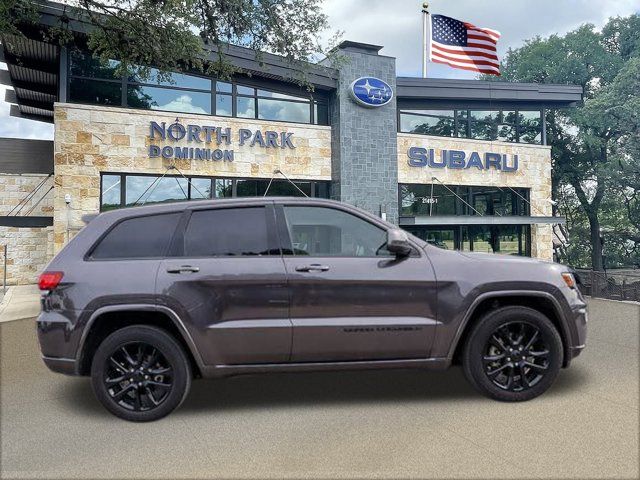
x=398 y=242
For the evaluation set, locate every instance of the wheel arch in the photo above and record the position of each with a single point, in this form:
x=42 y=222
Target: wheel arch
x=109 y=319
x=542 y=302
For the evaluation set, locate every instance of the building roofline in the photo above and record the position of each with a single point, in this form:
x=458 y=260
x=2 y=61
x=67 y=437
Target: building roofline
x=544 y=94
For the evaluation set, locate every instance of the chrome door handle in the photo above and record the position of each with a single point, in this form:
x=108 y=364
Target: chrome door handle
x=312 y=268
x=183 y=269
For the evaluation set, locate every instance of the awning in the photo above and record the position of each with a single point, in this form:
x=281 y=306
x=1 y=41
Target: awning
x=480 y=220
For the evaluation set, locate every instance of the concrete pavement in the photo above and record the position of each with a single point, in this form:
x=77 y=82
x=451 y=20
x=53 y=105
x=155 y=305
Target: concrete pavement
x=387 y=424
x=20 y=302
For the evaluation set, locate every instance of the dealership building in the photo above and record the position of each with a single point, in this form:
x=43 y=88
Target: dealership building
x=463 y=164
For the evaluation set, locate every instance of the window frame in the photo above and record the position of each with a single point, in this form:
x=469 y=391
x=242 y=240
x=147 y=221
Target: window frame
x=88 y=256
x=286 y=243
x=234 y=181
x=178 y=243
x=125 y=83
x=463 y=127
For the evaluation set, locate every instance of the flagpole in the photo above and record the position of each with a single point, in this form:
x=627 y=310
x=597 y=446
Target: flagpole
x=425 y=37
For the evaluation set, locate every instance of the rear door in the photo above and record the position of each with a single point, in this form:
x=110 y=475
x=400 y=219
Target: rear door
x=350 y=298
x=227 y=281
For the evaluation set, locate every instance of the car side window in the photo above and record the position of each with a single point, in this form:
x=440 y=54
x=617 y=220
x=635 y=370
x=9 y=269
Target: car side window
x=321 y=231
x=225 y=232
x=138 y=237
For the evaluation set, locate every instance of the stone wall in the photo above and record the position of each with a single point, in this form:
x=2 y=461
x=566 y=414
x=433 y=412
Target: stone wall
x=28 y=249
x=534 y=173
x=92 y=139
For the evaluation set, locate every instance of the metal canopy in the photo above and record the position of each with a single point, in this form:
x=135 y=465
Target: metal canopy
x=32 y=72
x=480 y=220
x=475 y=93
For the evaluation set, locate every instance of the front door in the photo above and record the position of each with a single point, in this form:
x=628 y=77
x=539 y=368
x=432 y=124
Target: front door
x=228 y=284
x=350 y=298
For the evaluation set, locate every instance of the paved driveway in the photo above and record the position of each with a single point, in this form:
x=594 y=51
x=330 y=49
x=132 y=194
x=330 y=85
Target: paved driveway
x=358 y=424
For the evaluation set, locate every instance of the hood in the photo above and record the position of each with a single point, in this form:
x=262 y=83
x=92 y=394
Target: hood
x=499 y=257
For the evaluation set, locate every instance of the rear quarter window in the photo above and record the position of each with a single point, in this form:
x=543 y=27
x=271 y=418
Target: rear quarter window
x=138 y=237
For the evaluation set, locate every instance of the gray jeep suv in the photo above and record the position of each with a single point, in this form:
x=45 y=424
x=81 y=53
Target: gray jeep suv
x=145 y=299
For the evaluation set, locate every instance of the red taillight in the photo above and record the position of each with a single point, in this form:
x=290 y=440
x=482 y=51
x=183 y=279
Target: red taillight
x=49 y=280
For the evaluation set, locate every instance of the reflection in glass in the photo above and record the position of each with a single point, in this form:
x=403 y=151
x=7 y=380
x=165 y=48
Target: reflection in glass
x=223 y=105
x=224 y=188
x=156 y=98
x=245 y=107
x=170 y=79
x=246 y=188
x=200 y=188
x=283 y=188
x=147 y=189
x=427 y=125
x=224 y=87
x=283 y=96
x=83 y=64
x=530 y=129
x=95 y=92
x=242 y=90
x=111 y=189
x=282 y=110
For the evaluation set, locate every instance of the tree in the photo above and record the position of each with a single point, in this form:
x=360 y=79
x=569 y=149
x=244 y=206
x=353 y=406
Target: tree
x=177 y=35
x=592 y=145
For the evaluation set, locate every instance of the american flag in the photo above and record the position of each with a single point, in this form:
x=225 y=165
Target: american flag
x=463 y=45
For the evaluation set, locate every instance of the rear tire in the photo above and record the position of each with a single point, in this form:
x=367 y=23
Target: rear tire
x=140 y=373
x=513 y=354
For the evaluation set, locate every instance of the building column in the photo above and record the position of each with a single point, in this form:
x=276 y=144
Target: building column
x=364 y=139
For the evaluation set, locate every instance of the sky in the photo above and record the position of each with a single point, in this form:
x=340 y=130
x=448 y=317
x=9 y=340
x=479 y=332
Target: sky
x=397 y=25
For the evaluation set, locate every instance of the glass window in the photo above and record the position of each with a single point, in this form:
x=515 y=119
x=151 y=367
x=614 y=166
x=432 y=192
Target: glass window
x=95 y=92
x=323 y=189
x=157 y=98
x=428 y=122
x=319 y=231
x=283 y=188
x=245 y=107
x=223 y=105
x=227 y=232
x=283 y=110
x=281 y=96
x=321 y=113
x=421 y=200
x=111 y=189
x=200 y=188
x=246 y=188
x=170 y=79
x=530 y=127
x=140 y=237
x=223 y=187
x=83 y=64
x=224 y=87
x=242 y=90
x=142 y=190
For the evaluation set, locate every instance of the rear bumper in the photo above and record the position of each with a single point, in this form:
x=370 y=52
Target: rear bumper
x=61 y=365
x=58 y=341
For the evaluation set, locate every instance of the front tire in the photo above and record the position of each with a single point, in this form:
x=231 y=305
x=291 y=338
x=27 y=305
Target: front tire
x=513 y=354
x=140 y=373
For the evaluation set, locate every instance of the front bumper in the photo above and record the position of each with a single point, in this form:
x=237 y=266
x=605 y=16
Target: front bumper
x=579 y=319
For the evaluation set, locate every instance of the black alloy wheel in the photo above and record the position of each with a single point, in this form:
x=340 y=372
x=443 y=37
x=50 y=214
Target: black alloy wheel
x=513 y=354
x=138 y=376
x=516 y=356
x=140 y=373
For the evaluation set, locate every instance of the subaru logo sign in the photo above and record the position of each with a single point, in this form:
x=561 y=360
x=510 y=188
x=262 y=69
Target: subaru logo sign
x=371 y=92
